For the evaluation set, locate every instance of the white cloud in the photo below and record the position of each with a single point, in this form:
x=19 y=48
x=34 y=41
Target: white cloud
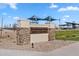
x=4 y=13
x=66 y=16
x=16 y=18
x=13 y=5
x=53 y=6
x=69 y=8
x=63 y=19
x=9 y=16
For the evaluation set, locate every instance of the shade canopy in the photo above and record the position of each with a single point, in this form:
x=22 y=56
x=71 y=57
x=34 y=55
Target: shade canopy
x=73 y=23
x=49 y=18
x=34 y=18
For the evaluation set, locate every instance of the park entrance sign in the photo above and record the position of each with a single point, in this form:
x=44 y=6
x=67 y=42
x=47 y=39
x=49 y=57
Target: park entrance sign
x=33 y=33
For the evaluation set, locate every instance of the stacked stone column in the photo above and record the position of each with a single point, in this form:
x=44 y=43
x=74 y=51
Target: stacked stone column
x=51 y=34
x=23 y=36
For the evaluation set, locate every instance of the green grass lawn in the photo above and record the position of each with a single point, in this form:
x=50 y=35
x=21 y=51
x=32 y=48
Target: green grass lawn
x=67 y=35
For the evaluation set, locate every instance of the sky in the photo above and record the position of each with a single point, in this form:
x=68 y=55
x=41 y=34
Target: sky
x=66 y=12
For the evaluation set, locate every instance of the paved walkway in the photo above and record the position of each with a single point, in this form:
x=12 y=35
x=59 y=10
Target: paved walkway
x=71 y=50
x=9 y=52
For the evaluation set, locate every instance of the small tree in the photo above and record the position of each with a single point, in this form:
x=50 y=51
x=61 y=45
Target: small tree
x=14 y=26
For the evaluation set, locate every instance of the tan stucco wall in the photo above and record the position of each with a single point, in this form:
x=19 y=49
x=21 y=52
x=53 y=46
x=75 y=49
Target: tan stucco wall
x=39 y=25
x=24 y=24
x=35 y=38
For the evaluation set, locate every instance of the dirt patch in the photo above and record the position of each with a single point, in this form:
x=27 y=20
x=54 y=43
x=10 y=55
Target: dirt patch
x=9 y=42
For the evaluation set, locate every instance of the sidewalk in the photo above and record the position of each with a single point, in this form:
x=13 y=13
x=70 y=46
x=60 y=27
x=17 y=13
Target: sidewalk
x=71 y=50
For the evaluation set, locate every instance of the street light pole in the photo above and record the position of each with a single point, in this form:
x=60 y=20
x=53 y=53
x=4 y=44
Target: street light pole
x=59 y=24
x=2 y=27
x=49 y=28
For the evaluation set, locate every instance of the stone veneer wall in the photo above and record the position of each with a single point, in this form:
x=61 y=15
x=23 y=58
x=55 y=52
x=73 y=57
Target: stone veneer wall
x=23 y=36
x=51 y=34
